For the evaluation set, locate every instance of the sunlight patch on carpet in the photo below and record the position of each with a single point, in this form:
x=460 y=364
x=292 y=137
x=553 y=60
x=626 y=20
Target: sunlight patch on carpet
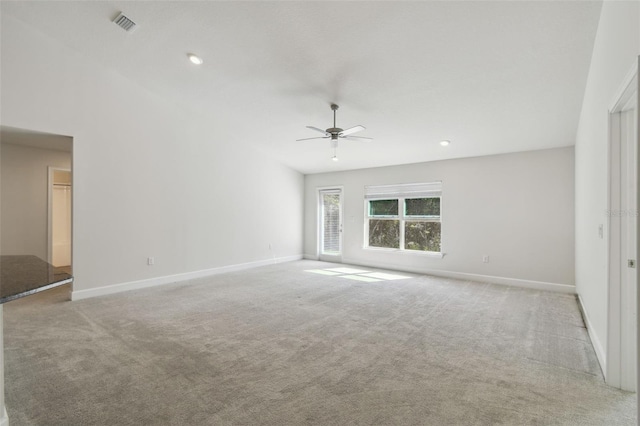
x=360 y=278
x=385 y=276
x=348 y=270
x=358 y=274
x=322 y=272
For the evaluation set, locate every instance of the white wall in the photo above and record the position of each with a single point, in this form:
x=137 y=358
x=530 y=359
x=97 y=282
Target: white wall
x=516 y=208
x=617 y=46
x=24 y=177
x=151 y=178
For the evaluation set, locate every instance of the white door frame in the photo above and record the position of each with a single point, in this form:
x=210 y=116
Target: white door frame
x=320 y=190
x=638 y=239
x=621 y=351
x=50 y=182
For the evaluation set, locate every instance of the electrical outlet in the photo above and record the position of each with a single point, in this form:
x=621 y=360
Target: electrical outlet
x=601 y=231
x=150 y=261
x=485 y=259
x=270 y=248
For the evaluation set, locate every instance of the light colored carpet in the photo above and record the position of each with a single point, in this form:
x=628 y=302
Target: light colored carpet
x=281 y=345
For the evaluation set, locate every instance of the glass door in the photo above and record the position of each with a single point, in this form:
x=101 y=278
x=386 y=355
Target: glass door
x=330 y=225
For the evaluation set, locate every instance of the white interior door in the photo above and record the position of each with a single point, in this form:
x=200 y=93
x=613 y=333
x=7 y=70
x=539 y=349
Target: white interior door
x=628 y=259
x=330 y=225
x=59 y=217
x=622 y=339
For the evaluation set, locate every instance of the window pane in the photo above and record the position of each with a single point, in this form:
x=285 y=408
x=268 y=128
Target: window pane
x=331 y=223
x=422 y=207
x=383 y=208
x=424 y=236
x=384 y=233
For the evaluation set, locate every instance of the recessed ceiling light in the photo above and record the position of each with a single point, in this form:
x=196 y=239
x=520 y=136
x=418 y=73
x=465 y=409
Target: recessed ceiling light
x=195 y=58
x=444 y=143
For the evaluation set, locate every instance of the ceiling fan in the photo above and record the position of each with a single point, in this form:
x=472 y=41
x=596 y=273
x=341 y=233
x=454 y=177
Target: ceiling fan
x=335 y=133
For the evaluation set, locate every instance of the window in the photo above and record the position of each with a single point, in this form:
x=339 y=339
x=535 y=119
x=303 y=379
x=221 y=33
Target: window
x=331 y=223
x=404 y=217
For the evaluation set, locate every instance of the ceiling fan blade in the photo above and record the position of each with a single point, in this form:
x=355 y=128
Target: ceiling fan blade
x=307 y=139
x=317 y=130
x=353 y=138
x=350 y=130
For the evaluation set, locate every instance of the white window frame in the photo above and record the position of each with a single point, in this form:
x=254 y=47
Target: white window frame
x=339 y=189
x=401 y=193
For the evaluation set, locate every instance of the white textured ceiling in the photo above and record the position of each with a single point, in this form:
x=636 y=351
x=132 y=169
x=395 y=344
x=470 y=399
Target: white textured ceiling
x=492 y=77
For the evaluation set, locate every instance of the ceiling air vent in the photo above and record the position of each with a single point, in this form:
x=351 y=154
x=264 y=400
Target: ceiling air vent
x=125 y=23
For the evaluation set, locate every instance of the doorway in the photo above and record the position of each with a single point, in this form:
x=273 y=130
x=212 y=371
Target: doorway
x=330 y=224
x=622 y=352
x=29 y=159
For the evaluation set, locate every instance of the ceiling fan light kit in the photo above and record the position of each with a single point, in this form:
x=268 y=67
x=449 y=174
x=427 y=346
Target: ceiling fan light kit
x=335 y=133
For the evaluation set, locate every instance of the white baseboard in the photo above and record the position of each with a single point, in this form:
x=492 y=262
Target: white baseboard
x=311 y=257
x=595 y=340
x=515 y=282
x=4 y=420
x=152 y=282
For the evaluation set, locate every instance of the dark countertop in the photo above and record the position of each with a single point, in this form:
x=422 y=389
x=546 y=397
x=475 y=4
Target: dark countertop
x=23 y=275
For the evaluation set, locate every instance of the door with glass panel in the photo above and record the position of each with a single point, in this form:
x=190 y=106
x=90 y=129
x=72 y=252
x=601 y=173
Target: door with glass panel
x=330 y=225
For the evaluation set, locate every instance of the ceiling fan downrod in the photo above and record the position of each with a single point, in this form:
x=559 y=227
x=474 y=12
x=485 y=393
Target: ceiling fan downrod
x=334 y=108
x=334 y=131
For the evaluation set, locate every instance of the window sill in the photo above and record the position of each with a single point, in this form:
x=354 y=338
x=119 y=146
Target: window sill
x=432 y=254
